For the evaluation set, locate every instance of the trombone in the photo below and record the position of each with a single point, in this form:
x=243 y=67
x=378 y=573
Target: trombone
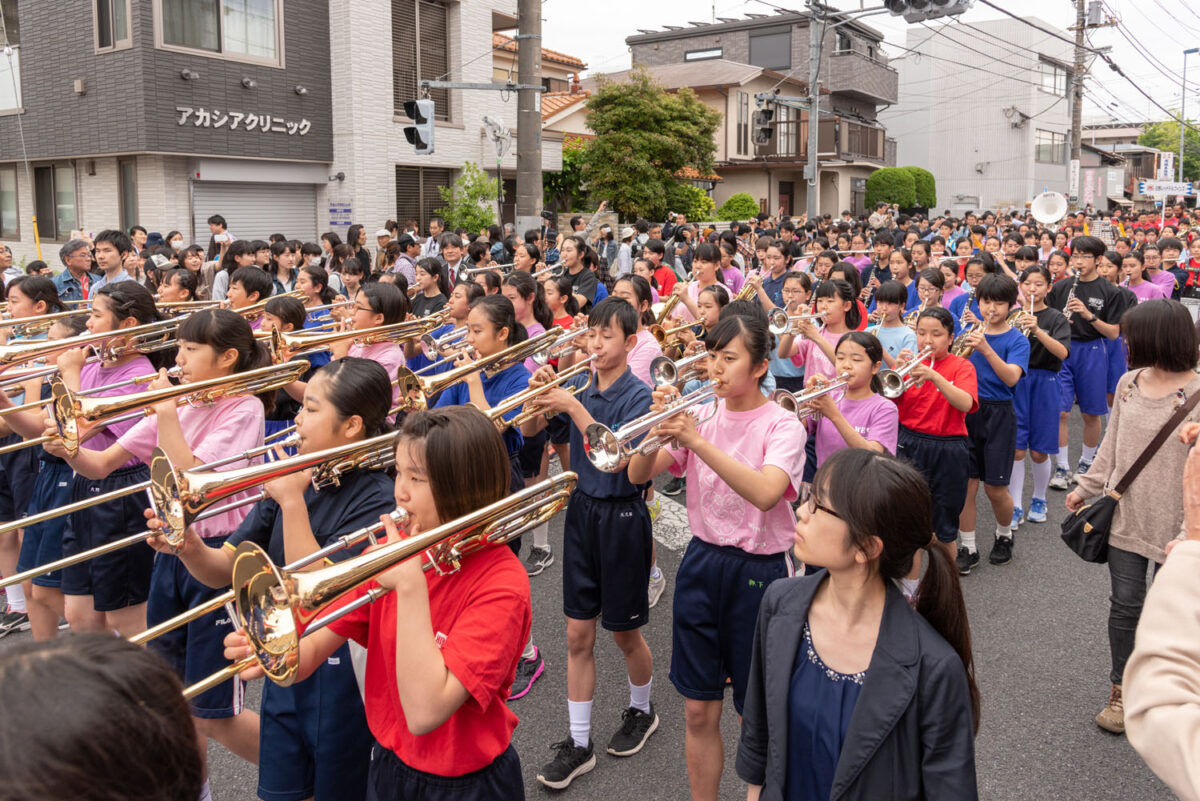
x=798 y=403
x=276 y=608
x=527 y=398
x=50 y=371
x=779 y=322
x=37 y=326
x=178 y=307
x=610 y=451
x=896 y=382
x=255 y=310
x=665 y=371
x=138 y=339
x=557 y=266
x=286 y=345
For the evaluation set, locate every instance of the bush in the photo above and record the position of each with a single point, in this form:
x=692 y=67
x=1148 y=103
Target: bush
x=739 y=207
x=471 y=201
x=691 y=200
x=891 y=185
x=926 y=186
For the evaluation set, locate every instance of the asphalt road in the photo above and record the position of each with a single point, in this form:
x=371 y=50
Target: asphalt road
x=1041 y=656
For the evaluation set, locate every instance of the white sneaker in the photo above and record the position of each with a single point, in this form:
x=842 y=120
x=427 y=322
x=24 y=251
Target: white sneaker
x=657 y=585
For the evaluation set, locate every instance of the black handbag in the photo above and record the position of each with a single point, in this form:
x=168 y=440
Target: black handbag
x=1086 y=532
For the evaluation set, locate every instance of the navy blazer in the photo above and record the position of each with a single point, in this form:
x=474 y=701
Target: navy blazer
x=910 y=736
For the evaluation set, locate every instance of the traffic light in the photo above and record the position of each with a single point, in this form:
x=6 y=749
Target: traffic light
x=763 y=132
x=420 y=134
x=919 y=10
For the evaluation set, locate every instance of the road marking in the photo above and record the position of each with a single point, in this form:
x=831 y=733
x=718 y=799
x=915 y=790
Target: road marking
x=671 y=529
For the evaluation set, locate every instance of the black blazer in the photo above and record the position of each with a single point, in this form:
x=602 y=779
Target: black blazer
x=910 y=734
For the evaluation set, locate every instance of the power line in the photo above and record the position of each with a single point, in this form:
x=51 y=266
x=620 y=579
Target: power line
x=1024 y=21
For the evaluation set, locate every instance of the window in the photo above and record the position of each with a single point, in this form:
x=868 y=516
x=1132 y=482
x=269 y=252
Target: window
x=556 y=84
x=844 y=45
x=241 y=30
x=1054 y=78
x=424 y=57
x=772 y=51
x=703 y=55
x=127 y=192
x=1050 y=147
x=54 y=200
x=112 y=24
x=417 y=197
x=8 y=202
x=10 y=65
x=743 y=124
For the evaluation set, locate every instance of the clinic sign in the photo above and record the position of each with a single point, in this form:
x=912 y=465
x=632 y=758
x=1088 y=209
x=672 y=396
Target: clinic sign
x=1164 y=188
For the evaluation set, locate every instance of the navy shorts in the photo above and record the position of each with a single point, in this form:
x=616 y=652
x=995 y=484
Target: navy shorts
x=1118 y=361
x=717 y=592
x=1035 y=403
x=1084 y=378
x=944 y=463
x=391 y=779
x=18 y=471
x=560 y=430
x=607 y=544
x=810 y=458
x=314 y=741
x=992 y=438
x=122 y=578
x=792 y=383
x=42 y=542
x=196 y=650
x=530 y=455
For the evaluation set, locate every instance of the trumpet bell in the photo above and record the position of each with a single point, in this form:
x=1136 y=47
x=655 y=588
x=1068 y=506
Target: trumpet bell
x=786 y=400
x=603 y=448
x=893 y=384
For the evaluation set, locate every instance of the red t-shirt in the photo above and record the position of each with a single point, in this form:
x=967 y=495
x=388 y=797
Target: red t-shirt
x=925 y=410
x=862 y=316
x=481 y=619
x=665 y=277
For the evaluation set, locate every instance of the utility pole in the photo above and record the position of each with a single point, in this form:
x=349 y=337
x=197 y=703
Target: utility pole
x=1077 y=101
x=1182 y=107
x=529 y=115
x=812 y=170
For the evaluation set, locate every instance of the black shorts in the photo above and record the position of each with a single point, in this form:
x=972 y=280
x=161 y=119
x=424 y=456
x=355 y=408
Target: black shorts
x=991 y=441
x=792 y=383
x=530 y=455
x=18 y=471
x=121 y=578
x=607 y=544
x=42 y=542
x=389 y=779
x=944 y=463
x=560 y=430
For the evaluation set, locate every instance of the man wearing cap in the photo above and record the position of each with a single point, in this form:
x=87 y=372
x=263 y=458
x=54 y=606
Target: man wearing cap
x=382 y=237
x=625 y=252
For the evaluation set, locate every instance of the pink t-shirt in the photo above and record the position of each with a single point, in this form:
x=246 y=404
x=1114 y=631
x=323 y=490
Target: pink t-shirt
x=214 y=431
x=1148 y=290
x=949 y=295
x=733 y=279
x=875 y=418
x=644 y=352
x=533 y=330
x=1165 y=281
x=812 y=358
x=94 y=375
x=767 y=435
x=693 y=290
x=388 y=354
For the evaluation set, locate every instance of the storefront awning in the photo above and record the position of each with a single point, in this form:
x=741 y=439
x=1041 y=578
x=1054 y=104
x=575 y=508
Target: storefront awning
x=1120 y=201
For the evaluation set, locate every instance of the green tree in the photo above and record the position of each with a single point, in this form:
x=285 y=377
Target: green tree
x=1165 y=136
x=926 y=186
x=739 y=207
x=690 y=200
x=564 y=189
x=471 y=201
x=891 y=185
x=644 y=135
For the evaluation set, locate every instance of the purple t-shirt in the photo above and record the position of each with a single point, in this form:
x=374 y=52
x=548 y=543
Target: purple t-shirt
x=875 y=418
x=733 y=279
x=532 y=330
x=95 y=375
x=1148 y=290
x=1163 y=280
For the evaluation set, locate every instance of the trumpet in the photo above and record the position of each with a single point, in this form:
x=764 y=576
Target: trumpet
x=747 y=291
x=528 y=398
x=896 y=382
x=664 y=371
x=416 y=390
x=663 y=310
x=276 y=608
x=563 y=346
x=286 y=345
x=798 y=403
x=446 y=343
x=610 y=451
x=779 y=322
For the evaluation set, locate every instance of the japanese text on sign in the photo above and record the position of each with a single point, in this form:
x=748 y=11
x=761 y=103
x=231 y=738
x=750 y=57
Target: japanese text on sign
x=215 y=118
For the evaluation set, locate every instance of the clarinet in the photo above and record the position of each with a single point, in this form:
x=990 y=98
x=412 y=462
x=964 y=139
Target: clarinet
x=962 y=317
x=1070 y=297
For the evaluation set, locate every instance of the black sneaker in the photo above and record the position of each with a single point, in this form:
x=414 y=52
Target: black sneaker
x=675 y=486
x=528 y=671
x=13 y=621
x=538 y=560
x=966 y=560
x=1001 y=551
x=569 y=761
x=636 y=728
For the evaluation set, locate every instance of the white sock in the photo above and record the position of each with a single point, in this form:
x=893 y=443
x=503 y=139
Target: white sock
x=1003 y=531
x=1041 y=479
x=530 y=649
x=206 y=792
x=580 y=714
x=639 y=697
x=1089 y=453
x=967 y=539
x=655 y=573
x=1063 y=457
x=541 y=536
x=1016 y=483
x=16 y=598
x=908 y=586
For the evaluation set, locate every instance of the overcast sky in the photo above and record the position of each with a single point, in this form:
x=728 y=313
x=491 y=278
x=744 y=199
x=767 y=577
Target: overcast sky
x=1163 y=28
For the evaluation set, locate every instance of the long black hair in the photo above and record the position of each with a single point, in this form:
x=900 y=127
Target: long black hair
x=736 y=322
x=501 y=314
x=131 y=299
x=532 y=291
x=641 y=291
x=39 y=289
x=837 y=288
x=224 y=330
x=874 y=348
x=318 y=276
x=359 y=387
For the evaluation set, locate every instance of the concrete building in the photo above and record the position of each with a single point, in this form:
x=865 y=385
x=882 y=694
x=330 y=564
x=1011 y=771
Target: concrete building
x=986 y=108
x=279 y=115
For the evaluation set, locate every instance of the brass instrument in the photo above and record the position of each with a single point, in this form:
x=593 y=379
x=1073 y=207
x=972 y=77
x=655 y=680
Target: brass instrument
x=255 y=310
x=286 y=345
x=610 y=451
x=668 y=337
x=779 y=322
x=557 y=267
x=797 y=403
x=896 y=382
x=275 y=609
x=665 y=371
x=507 y=267
x=415 y=390
x=563 y=346
x=51 y=371
x=173 y=308
x=36 y=326
x=528 y=398
x=663 y=310
x=446 y=343
x=138 y=339
x=911 y=318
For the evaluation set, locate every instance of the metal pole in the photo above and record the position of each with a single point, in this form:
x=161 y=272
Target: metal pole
x=812 y=170
x=1182 y=106
x=529 y=115
x=1077 y=100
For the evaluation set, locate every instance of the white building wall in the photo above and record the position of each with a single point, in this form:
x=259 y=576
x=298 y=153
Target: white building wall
x=958 y=122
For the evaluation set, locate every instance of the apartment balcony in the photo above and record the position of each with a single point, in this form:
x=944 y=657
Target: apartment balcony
x=855 y=75
x=838 y=138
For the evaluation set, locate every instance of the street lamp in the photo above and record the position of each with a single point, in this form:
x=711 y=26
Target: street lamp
x=1182 y=105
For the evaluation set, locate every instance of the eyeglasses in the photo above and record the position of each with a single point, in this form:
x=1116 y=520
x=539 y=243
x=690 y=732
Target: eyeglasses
x=808 y=497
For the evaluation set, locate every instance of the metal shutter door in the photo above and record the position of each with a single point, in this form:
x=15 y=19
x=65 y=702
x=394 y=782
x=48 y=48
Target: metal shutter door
x=255 y=211
x=417 y=197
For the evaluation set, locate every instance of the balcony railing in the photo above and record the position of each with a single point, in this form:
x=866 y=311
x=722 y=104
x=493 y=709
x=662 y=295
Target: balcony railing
x=837 y=138
x=853 y=73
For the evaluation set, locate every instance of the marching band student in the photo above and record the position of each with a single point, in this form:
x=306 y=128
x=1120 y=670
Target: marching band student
x=238 y=254
x=1000 y=354
x=461 y=297
x=285 y=314
x=853 y=693
x=1108 y=267
x=952 y=290
x=1171 y=248
x=794 y=299
x=860 y=418
x=282 y=268
x=930 y=288
x=314 y=283
x=893 y=334
x=643 y=268
x=606 y=547
x=1095 y=307
x=1153 y=259
x=178 y=286
x=849 y=273
x=441 y=649
x=963 y=314
x=1137 y=280
x=1037 y=395
x=313 y=742
x=248 y=286
x=563 y=306
x=709 y=303
x=744 y=466
x=212 y=344
x=933 y=427
x=815 y=352
x=375 y=305
x=769 y=283
x=634 y=290
x=704 y=274
x=1059 y=265
x=434 y=288
x=730 y=274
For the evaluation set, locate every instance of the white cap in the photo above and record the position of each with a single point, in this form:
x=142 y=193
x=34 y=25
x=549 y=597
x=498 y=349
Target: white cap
x=382 y=232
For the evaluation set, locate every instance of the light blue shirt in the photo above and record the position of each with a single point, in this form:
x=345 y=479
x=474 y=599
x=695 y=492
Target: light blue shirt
x=104 y=280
